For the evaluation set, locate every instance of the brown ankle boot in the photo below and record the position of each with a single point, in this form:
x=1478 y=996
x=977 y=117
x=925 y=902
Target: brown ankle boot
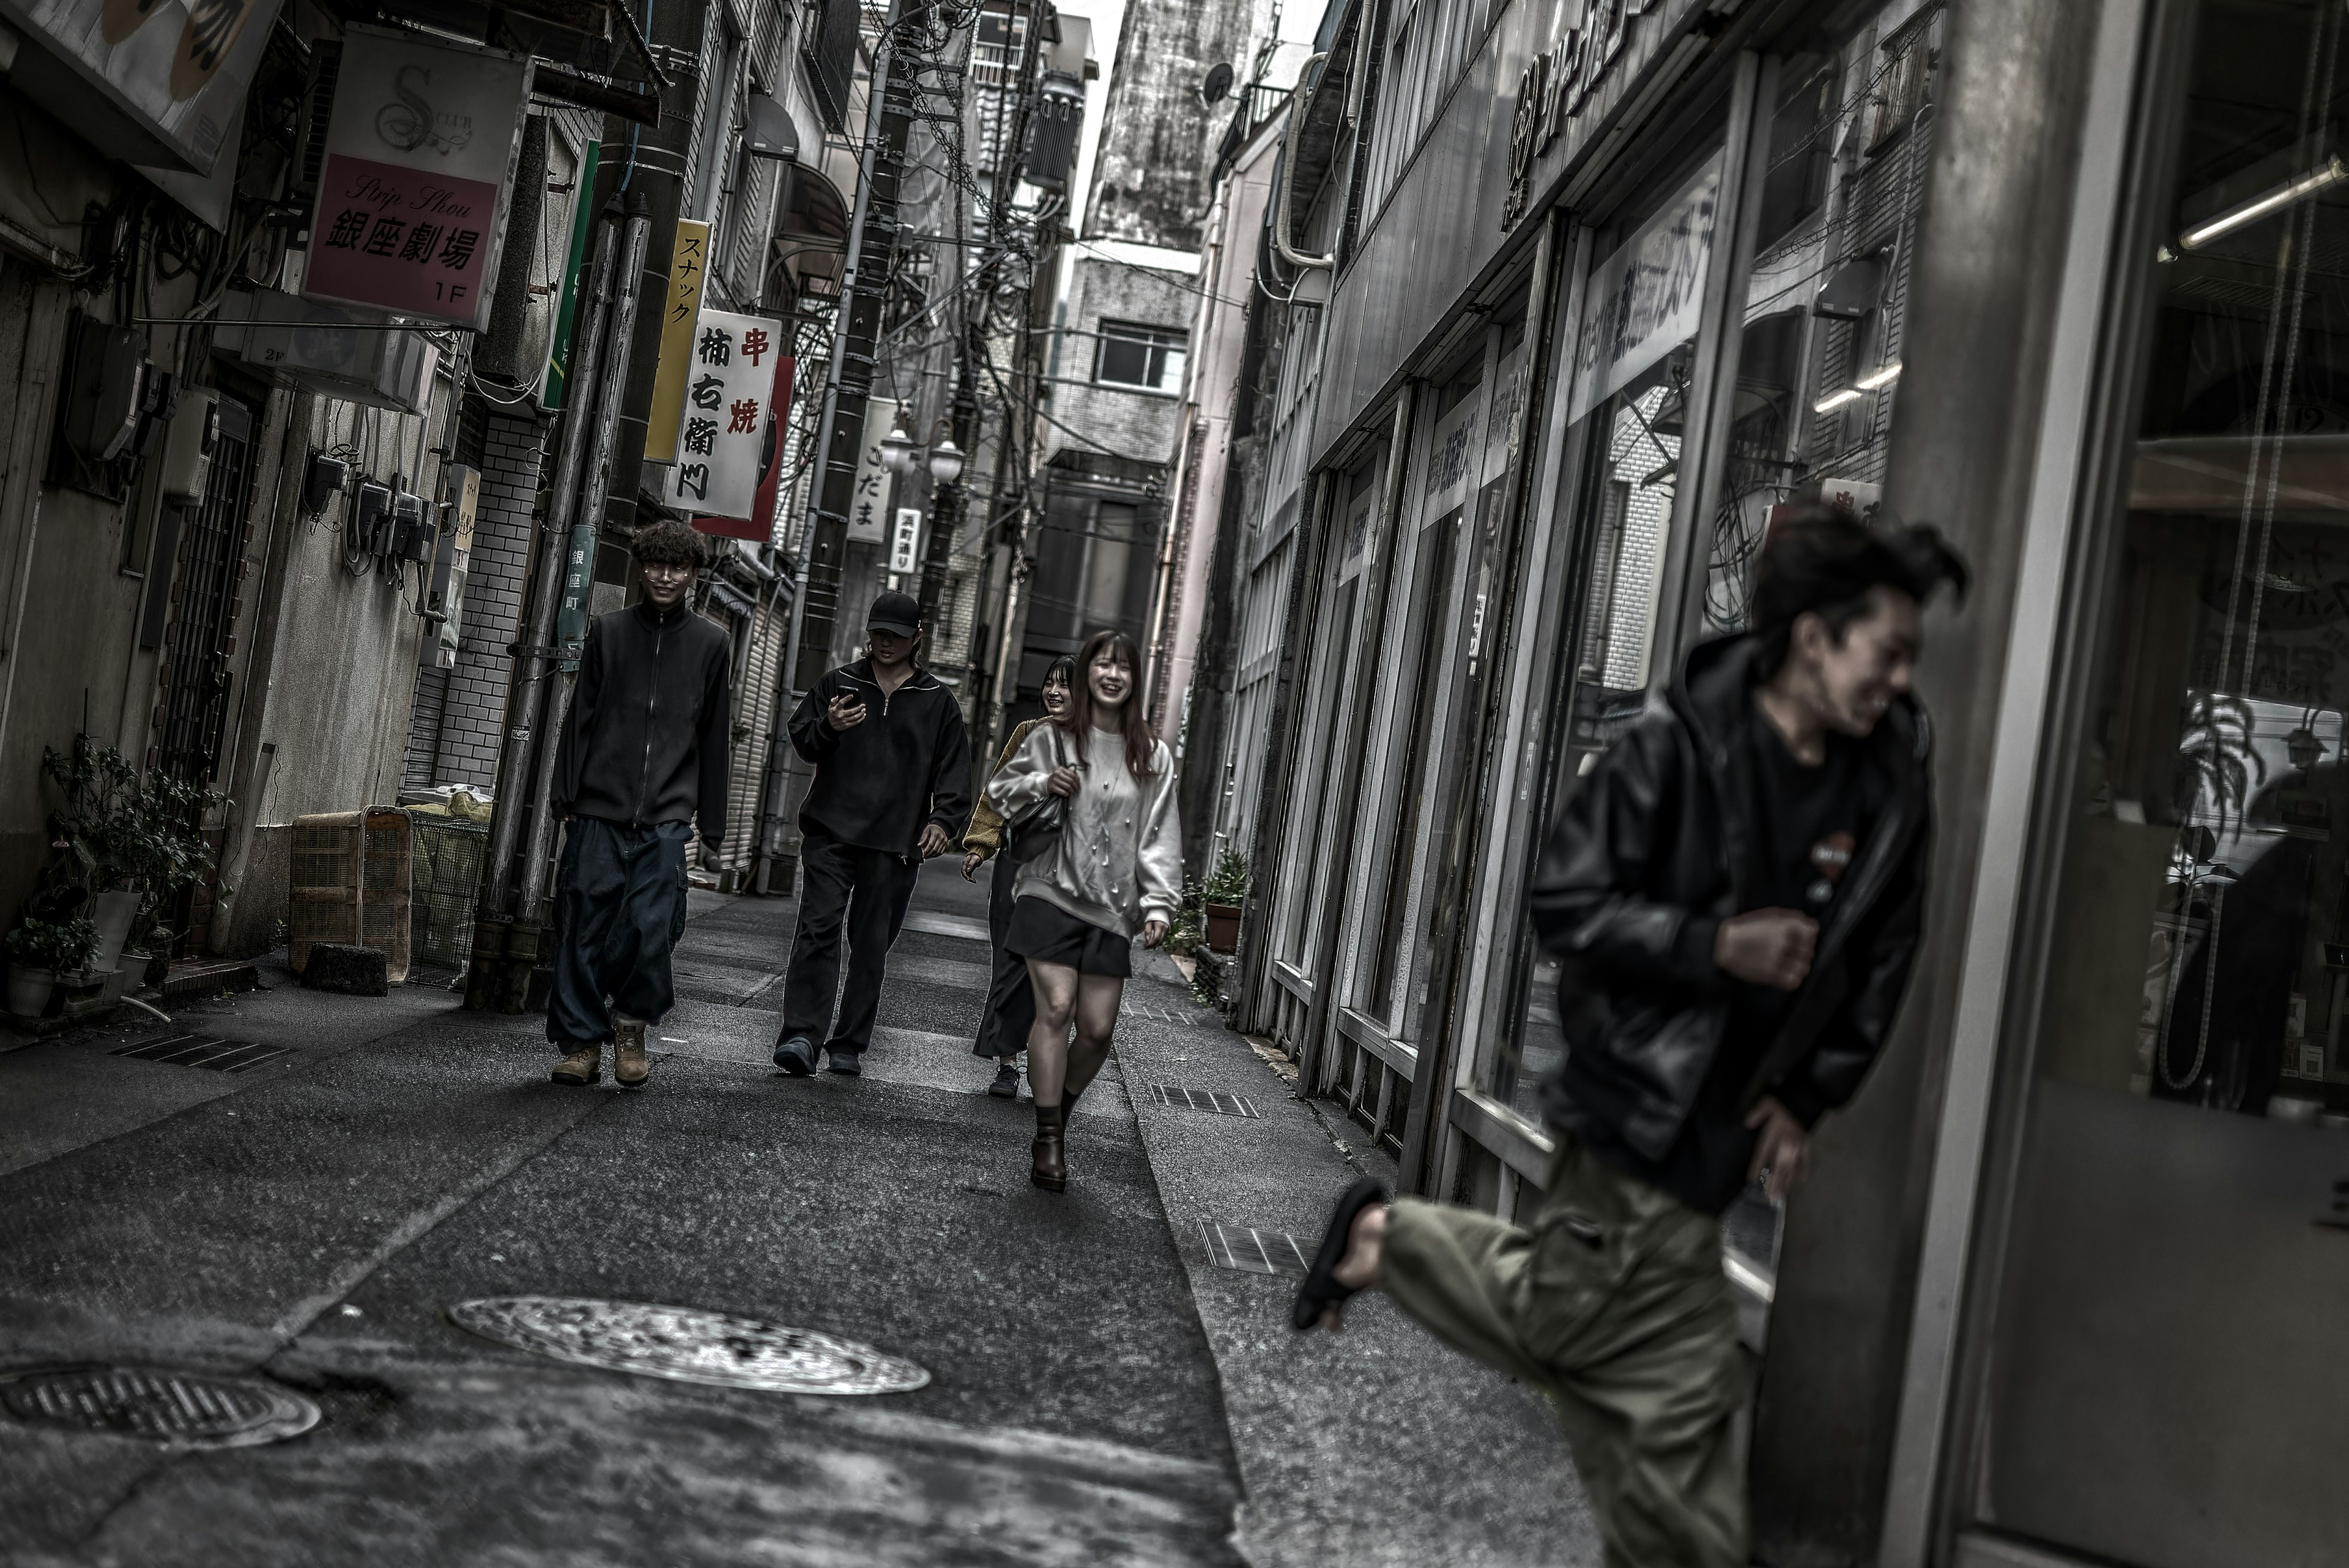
x=630 y=1065
x=582 y=1067
x=1052 y=1169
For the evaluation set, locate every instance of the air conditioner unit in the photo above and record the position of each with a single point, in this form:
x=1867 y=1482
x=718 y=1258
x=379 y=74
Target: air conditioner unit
x=329 y=350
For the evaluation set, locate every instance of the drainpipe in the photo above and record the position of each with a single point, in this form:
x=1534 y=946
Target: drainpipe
x=579 y=579
x=532 y=654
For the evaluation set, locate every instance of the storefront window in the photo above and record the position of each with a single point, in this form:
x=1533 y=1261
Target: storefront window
x=2172 y=1278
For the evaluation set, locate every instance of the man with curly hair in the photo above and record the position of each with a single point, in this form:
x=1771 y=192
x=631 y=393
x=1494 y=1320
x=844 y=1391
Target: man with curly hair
x=643 y=754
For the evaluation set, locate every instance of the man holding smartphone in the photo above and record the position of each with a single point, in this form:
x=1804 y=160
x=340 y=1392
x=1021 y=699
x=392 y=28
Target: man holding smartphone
x=892 y=790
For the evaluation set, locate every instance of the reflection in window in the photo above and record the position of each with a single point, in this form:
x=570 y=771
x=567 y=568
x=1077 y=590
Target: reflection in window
x=2207 y=961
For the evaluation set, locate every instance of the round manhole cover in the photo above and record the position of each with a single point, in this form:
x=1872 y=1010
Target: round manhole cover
x=689 y=1345
x=184 y=1409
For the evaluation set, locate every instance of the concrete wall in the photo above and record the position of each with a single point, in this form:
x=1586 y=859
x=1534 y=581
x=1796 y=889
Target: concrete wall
x=1140 y=425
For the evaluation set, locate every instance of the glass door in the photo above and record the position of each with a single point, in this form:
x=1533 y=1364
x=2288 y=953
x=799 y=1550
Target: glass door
x=2171 y=1383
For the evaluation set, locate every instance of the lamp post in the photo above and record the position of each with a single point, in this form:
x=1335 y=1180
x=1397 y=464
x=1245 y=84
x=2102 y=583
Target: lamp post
x=940 y=453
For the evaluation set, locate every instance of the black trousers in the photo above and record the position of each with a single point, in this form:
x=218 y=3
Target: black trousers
x=1010 y=1000
x=861 y=894
x=620 y=903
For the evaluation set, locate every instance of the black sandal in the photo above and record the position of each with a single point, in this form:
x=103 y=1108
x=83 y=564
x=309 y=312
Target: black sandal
x=1321 y=1291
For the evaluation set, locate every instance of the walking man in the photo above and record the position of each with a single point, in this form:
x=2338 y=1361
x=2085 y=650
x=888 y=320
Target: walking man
x=643 y=754
x=1736 y=891
x=892 y=789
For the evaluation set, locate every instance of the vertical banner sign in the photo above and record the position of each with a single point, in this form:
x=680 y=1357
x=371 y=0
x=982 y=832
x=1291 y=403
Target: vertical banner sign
x=906 y=539
x=681 y=307
x=867 y=513
x=583 y=224
x=761 y=525
x=418 y=170
x=730 y=383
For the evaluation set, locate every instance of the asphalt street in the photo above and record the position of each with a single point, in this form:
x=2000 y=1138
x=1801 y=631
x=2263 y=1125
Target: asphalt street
x=1104 y=1385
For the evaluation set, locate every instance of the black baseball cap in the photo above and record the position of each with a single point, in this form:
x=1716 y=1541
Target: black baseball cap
x=900 y=613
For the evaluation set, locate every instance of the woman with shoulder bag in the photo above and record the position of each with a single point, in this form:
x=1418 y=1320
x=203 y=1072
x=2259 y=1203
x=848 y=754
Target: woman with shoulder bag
x=1115 y=873
x=1011 y=1001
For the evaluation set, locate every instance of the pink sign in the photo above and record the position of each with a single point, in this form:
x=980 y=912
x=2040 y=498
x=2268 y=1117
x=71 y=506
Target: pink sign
x=412 y=241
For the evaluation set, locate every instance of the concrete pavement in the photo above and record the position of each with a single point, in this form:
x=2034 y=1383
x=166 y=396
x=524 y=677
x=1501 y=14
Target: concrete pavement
x=1101 y=1390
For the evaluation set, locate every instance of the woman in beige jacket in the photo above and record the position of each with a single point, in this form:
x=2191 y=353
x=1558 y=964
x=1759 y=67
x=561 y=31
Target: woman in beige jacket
x=1116 y=874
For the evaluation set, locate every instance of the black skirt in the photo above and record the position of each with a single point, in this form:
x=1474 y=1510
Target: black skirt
x=1048 y=934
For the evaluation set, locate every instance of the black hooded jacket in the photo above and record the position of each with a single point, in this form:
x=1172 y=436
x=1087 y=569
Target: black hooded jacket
x=879 y=782
x=649 y=731
x=1654 y=849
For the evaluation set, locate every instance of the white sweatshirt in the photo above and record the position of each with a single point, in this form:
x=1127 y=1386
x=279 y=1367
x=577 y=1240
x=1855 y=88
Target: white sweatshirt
x=1120 y=863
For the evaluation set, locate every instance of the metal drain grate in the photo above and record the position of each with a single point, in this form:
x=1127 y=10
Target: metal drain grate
x=182 y=1409
x=1252 y=1252
x=688 y=1345
x=204 y=1051
x=1215 y=1100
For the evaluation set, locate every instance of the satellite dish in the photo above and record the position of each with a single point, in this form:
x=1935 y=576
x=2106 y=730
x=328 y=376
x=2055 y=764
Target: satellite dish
x=1218 y=83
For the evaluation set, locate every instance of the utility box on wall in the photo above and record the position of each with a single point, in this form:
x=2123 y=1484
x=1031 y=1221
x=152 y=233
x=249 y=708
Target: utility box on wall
x=188 y=451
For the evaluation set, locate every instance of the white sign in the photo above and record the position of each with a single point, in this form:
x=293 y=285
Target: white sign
x=420 y=166
x=1643 y=301
x=723 y=427
x=175 y=74
x=1450 y=453
x=905 y=540
x=868 y=517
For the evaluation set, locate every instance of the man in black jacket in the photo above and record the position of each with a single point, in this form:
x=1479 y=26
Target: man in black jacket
x=1735 y=892
x=643 y=754
x=892 y=789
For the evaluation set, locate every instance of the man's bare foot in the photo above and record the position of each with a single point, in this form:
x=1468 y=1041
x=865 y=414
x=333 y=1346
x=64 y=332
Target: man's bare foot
x=1359 y=1269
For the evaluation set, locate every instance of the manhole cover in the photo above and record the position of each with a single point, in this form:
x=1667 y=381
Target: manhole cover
x=689 y=1345
x=1213 y=1100
x=1253 y=1252
x=184 y=1409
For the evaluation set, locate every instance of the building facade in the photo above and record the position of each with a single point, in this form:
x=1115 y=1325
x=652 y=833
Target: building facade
x=1604 y=284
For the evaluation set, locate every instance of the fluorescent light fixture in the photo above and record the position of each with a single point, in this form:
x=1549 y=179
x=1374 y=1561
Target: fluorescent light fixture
x=1834 y=400
x=2330 y=173
x=1883 y=377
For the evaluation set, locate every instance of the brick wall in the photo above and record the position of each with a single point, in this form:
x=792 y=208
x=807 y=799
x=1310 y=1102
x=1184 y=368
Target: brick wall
x=453 y=737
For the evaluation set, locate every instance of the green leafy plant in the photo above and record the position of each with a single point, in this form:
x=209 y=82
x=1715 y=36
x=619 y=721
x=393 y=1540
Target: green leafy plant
x=113 y=829
x=61 y=945
x=1228 y=883
x=1188 y=933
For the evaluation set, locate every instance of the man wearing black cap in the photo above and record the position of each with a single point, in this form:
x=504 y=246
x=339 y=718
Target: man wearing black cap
x=892 y=789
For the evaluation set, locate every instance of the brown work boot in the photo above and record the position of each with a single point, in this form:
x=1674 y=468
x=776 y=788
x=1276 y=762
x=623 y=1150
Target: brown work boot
x=583 y=1066
x=1050 y=1151
x=630 y=1065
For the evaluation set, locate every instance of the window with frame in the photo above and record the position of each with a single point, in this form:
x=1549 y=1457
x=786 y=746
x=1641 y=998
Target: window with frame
x=1151 y=357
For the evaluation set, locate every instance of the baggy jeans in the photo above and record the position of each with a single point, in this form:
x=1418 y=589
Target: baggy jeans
x=619 y=901
x=1610 y=1298
x=864 y=893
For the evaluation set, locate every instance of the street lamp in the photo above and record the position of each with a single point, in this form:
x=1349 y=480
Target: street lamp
x=900 y=451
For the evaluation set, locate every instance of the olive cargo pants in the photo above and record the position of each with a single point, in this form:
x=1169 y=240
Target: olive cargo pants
x=1609 y=1297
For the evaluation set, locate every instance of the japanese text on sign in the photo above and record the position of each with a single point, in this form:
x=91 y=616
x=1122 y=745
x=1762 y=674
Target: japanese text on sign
x=723 y=426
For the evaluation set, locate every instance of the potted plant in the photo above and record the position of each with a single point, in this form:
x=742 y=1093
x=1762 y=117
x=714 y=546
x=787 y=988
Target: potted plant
x=40 y=949
x=129 y=846
x=1226 y=890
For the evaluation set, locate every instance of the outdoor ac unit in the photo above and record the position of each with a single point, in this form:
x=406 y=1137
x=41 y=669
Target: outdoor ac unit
x=330 y=351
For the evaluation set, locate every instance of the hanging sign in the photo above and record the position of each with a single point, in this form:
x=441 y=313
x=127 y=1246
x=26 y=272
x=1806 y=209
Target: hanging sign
x=583 y=224
x=905 y=540
x=681 y=307
x=1643 y=301
x=867 y=514
x=146 y=82
x=420 y=153
x=730 y=387
x=759 y=525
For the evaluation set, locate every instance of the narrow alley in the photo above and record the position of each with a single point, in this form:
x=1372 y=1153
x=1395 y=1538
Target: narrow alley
x=1102 y=1387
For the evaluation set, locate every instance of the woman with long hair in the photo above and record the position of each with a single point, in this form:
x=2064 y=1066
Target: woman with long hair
x=1010 y=1000
x=1116 y=874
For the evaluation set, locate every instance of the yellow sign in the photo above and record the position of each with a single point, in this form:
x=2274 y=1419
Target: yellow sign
x=681 y=305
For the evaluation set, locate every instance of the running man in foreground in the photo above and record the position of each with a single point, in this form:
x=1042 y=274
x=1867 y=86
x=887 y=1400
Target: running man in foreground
x=1736 y=890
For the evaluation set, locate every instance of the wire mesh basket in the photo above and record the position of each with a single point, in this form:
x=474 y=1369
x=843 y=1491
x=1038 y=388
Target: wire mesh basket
x=350 y=882
x=446 y=879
